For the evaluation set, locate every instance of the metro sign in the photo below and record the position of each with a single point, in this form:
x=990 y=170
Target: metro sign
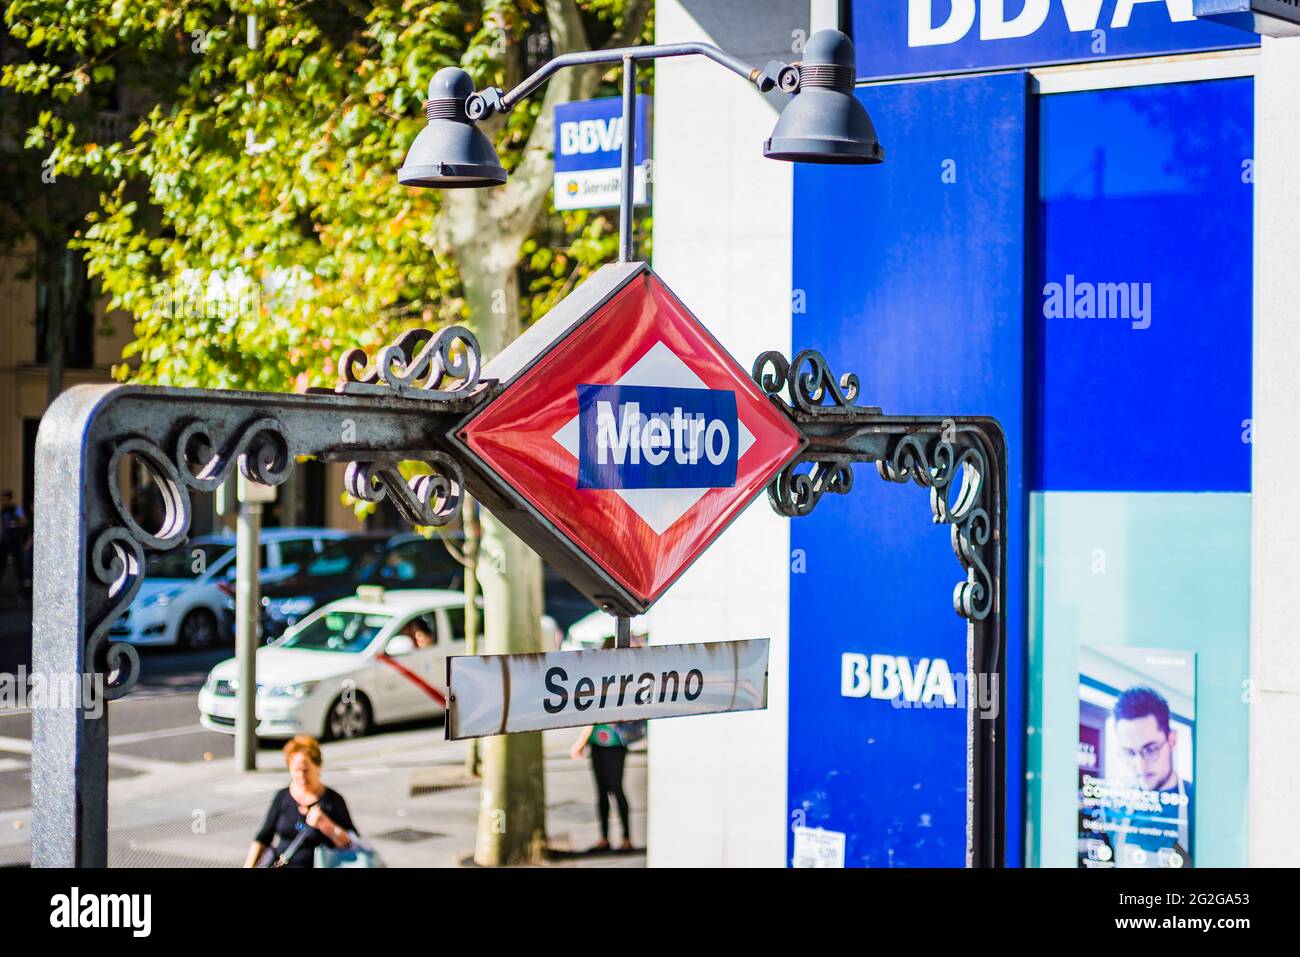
x=624 y=426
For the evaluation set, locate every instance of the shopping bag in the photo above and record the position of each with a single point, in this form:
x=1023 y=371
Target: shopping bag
x=357 y=854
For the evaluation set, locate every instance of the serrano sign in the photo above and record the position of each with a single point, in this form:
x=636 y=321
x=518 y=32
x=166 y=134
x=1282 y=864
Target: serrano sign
x=502 y=694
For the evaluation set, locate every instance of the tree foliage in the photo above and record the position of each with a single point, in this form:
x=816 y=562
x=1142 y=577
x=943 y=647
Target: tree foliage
x=250 y=220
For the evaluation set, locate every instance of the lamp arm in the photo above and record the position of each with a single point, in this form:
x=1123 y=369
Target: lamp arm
x=776 y=75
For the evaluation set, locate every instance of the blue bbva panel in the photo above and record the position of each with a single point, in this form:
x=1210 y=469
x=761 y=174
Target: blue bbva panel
x=912 y=275
x=588 y=134
x=1144 y=291
x=897 y=38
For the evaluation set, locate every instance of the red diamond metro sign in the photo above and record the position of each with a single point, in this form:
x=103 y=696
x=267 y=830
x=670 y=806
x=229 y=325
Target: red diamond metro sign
x=626 y=428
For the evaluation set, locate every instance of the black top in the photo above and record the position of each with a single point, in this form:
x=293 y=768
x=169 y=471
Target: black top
x=283 y=822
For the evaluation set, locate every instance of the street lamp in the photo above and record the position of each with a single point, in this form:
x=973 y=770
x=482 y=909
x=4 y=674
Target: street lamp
x=824 y=122
x=821 y=123
x=451 y=151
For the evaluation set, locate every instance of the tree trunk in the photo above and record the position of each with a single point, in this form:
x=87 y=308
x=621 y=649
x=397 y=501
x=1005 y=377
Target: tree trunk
x=512 y=803
x=485 y=228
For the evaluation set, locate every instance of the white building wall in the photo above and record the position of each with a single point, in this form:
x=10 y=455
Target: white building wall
x=722 y=242
x=1275 y=649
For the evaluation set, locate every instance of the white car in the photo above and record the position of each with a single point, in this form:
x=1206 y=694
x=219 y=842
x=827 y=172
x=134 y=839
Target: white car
x=182 y=597
x=348 y=667
x=597 y=628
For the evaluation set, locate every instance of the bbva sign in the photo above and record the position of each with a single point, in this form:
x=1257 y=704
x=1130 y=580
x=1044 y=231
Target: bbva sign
x=1082 y=16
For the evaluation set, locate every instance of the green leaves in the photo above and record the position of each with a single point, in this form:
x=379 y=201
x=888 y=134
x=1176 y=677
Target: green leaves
x=247 y=212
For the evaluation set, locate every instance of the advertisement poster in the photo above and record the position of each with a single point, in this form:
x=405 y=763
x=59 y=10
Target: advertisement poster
x=1137 y=728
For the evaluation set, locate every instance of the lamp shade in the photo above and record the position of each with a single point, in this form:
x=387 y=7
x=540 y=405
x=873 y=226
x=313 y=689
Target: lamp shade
x=451 y=151
x=824 y=122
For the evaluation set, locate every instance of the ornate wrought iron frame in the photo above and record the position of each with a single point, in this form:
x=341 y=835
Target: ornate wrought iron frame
x=90 y=551
x=962 y=461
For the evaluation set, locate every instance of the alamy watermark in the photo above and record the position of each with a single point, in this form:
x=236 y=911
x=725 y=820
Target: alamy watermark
x=1076 y=299
x=133 y=912
x=213 y=297
x=52 y=690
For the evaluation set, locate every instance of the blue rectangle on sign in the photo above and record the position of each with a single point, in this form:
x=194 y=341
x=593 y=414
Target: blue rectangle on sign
x=920 y=37
x=656 y=437
x=589 y=134
x=1143 y=302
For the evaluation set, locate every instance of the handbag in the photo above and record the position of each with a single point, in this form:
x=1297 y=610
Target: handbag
x=630 y=731
x=357 y=854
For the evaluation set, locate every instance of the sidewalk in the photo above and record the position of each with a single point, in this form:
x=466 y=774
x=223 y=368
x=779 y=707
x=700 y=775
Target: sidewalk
x=403 y=790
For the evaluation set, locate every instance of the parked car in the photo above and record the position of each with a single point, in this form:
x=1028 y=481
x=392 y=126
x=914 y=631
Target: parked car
x=348 y=667
x=405 y=560
x=182 y=597
x=597 y=628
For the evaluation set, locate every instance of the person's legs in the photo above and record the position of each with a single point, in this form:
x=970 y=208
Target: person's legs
x=617 y=758
x=598 y=770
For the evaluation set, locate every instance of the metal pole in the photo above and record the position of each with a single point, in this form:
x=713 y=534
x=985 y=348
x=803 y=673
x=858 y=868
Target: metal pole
x=655 y=52
x=70 y=742
x=622 y=631
x=626 y=186
x=247 y=605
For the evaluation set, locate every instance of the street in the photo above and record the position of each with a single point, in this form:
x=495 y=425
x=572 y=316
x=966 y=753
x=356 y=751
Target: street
x=175 y=799
x=160 y=725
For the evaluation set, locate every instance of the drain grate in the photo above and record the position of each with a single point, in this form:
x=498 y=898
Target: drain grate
x=424 y=790
x=408 y=835
x=143 y=857
x=215 y=824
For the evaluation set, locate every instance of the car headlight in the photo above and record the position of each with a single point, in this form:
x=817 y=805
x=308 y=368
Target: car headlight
x=299 y=690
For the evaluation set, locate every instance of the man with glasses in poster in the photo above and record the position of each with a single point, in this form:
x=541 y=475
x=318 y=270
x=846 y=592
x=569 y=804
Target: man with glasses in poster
x=1150 y=824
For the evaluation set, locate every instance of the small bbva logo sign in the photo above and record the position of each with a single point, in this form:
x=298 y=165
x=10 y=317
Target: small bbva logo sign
x=656 y=437
x=1082 y=16
x=580 y=137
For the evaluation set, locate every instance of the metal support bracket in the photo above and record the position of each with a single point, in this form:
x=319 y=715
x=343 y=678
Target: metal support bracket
x=91 y=551
x=962 y=461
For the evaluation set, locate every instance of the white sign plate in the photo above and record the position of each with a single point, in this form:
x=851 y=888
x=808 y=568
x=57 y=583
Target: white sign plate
x=503 y=694
x=814 y=847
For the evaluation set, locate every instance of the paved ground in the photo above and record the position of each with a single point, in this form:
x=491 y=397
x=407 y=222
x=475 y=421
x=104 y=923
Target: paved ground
x=403 y=788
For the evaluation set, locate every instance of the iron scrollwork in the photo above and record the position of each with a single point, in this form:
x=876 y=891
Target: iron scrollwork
x=418 y=365
x=809 y=382
x=260 y=449
x=933 y=460
x=794 y=493
x=930 y=453
x=421 y=364
x=431 y=498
